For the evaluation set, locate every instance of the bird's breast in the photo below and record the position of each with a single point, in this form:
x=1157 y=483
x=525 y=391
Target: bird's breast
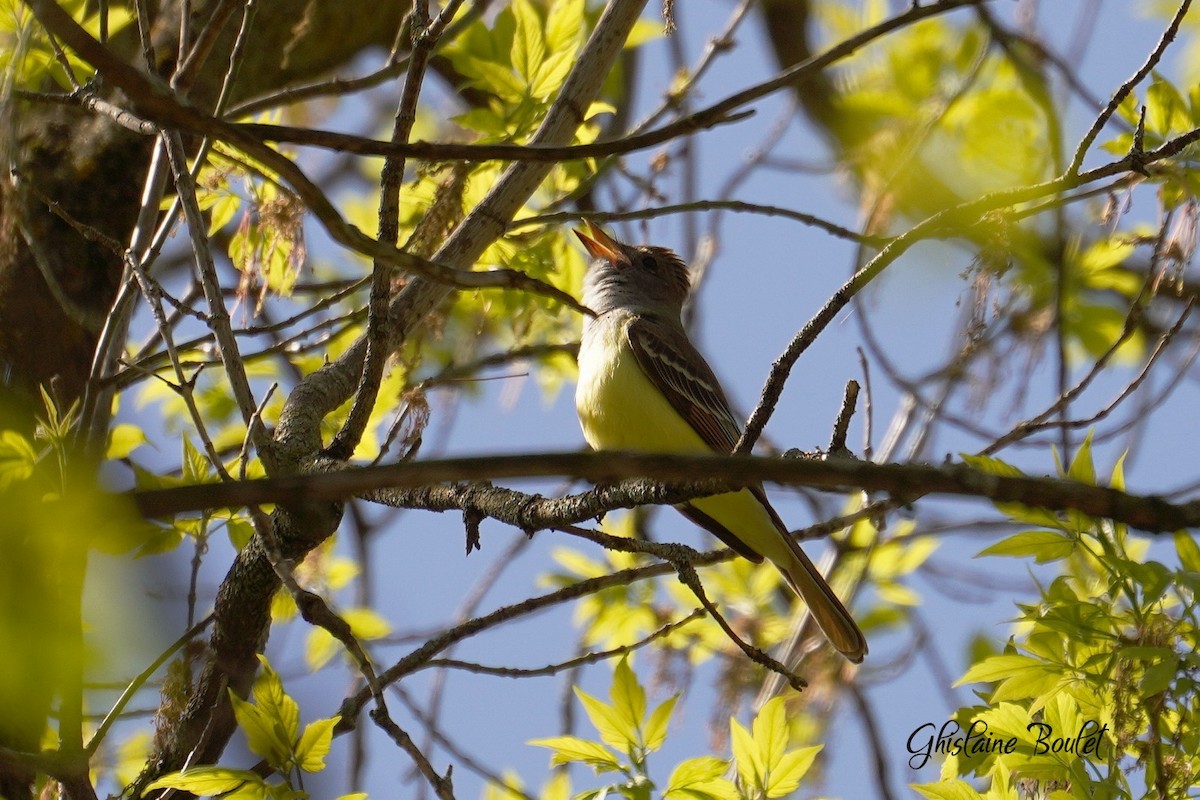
x=619 y=408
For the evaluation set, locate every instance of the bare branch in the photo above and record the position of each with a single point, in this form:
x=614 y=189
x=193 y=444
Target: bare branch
x=704 y=475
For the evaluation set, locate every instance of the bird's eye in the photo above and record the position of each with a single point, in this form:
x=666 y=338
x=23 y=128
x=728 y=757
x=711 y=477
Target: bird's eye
x=649 y=263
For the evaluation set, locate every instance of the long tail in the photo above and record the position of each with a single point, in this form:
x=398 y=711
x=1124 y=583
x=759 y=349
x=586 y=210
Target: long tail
x=760 y=533
x=833 y=618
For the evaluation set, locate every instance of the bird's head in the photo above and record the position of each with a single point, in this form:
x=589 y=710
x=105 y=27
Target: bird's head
x=641 y=278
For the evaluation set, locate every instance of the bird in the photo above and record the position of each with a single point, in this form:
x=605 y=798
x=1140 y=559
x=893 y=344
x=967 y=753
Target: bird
x=644 y=386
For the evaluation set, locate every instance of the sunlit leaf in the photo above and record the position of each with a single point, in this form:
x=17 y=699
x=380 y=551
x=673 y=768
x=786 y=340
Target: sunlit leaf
x=1044 y=546
x=947 y=790
x=656 y=726
x=314 y=744
x=791 y=768
x=628 y=696
x=570 y=749
x=207 y=781
x=614 y=728
x=700 y=779
x=529 y=46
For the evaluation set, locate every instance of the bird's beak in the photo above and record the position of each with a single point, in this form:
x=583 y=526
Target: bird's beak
x=600 y=245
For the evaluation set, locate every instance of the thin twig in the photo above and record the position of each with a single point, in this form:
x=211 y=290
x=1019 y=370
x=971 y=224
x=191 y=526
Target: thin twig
x=1125 y=88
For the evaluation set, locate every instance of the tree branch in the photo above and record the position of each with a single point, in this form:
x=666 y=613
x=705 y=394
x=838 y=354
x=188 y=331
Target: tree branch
x=424 y=484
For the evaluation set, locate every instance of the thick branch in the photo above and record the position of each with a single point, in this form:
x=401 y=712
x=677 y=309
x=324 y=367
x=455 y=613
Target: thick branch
x=703 y=475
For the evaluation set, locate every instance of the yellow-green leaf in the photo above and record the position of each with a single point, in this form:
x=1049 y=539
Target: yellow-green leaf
x=320 y=647
x=1188 y=551
x=1043 y=546
x=947 y=790
x=771 y=734
x=314 y=744
x=564 y=25
x=612 y=726
x=785 y=776
x=529 y=46
x=699 y=778
x=992 y=466
x=1082 y=469
x=209 y=781
x=995 y=668
x=656 y=727
x=897 y=594
x=17 y=458
x=367 y=623
x=572 y=749
x=628 y=696
x=123 y=439
x=262 y=734
x=749 y=760
x=273 y=702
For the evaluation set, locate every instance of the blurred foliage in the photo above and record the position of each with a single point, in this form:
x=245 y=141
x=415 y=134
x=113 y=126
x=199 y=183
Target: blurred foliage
x=952 y=110
x=27 y=58
x=54 y=514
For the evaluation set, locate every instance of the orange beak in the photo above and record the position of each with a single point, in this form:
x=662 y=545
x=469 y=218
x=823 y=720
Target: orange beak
x=600 y=245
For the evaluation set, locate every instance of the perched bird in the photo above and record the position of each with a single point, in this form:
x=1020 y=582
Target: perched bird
x=644 y=386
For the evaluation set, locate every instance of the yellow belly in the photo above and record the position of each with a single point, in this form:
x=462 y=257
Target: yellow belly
x=618 y=407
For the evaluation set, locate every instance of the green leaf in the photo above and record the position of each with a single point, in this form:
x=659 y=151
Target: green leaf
x=123 y=439
x=320 y=647
x=771 y=734
x=947 y=790
x=483 y=120
x=1188 y=550
x=274 y=702
x=786 y=775
x=17 y=458
x=628 y=696
x=898 y=594
x=207 y=781
x=996 y=668
x=1082 y=469
x=1117 y=479
x=239 y=530
x=698 y=779
x=262 y=735
x=572 y=749
x=492 y=77
x=314 y=744
x=272 y=722
x=1158 y=677
x=749 y=760
x=615 y=731
x=564 y=25
x=196 y=467
x=551 y=74
x=1043 y=546
x=366 y=623
x=992 y=466
x=656 y=727
x=1154 y=577
x=1166 y=109
x=529 y=46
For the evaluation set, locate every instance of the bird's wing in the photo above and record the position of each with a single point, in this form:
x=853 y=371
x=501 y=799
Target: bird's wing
x=677 y=369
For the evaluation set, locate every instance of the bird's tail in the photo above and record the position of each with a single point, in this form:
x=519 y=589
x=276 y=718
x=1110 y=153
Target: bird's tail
x=832 y=617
